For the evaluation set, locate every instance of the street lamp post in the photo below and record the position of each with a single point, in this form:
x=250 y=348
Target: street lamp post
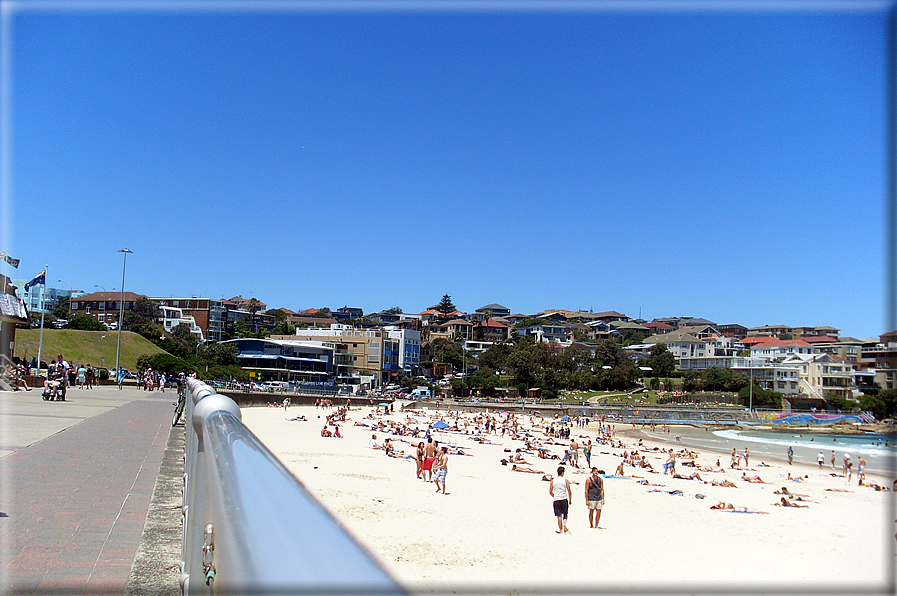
x=121 y=314
x=70 y=294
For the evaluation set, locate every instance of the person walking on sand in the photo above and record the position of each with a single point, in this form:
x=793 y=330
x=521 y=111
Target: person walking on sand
x=861 y=470
x=746 y=465
x=790 y=455
x=594 y=497
x=559 y=488
x=820 y=459
x=574 y=450
x=833 y=459
x=846 y=465
x=440 y=469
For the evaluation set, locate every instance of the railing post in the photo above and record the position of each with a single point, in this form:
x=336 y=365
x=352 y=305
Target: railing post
x=196 y=507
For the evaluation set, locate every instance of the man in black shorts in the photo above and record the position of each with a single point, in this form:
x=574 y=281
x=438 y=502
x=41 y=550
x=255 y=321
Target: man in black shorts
x=559 y=488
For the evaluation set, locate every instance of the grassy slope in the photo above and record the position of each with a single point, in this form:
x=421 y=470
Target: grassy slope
x=88 y=346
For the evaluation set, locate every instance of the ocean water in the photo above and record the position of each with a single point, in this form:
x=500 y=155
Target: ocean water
x=771 y=445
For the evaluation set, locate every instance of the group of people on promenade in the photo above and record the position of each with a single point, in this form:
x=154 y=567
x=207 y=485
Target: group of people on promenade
x=61 y=375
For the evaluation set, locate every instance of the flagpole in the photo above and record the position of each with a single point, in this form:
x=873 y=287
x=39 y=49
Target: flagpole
x=40 y=344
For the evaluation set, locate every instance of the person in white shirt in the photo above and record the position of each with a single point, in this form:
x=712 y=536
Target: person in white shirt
x=559 y=488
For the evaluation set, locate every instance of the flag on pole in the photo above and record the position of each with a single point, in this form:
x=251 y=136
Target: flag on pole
x=5 y=257
x=39 y=279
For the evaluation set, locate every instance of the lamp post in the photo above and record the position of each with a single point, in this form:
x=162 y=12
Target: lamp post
x=121 y=314
x=70 y=294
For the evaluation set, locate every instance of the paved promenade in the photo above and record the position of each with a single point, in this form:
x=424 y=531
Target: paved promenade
x=76 y=481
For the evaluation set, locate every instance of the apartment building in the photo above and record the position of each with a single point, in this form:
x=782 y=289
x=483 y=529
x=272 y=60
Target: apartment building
x=209 y=315
x=371 y=350
x=41 y=298
x=884 y=356
x=104 y=306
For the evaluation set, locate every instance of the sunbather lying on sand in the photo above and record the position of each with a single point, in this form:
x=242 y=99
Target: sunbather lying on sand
x=788 y=493
x=753 y=479
x=692 y=476
x=516 y=468
x=786 y=503
x=726 y=482
x=722 y=505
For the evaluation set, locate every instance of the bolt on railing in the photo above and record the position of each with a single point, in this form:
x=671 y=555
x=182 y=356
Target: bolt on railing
x=249 y=525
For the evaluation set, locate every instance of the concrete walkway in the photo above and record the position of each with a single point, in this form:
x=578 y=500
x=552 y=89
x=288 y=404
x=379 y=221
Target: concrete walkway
x=76 y=481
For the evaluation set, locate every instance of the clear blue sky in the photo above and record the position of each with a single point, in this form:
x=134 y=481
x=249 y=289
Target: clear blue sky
x=725 y=164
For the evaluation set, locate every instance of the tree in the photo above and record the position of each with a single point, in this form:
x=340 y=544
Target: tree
x=85 y=323
x=277 y=313
x=60 y=308
x=284 y=328
x=222 y=354
x=145 y=307
x=762 y=398
x=445 y=305
x=661 y=361
x=253 y=305
x=608 y=353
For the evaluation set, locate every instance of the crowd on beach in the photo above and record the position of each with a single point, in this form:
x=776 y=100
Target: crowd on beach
x=429 y=438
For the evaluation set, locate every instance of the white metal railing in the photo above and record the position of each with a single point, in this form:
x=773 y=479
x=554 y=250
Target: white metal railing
x=249 y=525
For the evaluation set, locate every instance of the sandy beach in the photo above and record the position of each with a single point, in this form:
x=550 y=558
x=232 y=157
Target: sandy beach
x=495 y=531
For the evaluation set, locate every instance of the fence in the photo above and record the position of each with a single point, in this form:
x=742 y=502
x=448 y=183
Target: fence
x=249 y=525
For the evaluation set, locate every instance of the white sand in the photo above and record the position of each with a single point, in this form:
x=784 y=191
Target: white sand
x=495 y=528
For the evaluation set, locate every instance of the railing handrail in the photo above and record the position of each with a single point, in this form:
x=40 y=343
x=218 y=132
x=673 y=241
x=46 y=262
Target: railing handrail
x=250 y=526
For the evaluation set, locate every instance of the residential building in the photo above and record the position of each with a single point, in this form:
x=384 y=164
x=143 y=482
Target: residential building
x=733 y=330
x=822 y=375
x=104 y=306
x=772 y=348
x=884 y=356
x=622 y=326
x=778 y=331
x=821 y=331
x=241 y=303
x=254 y=322
x=172 y=317
x=493 y=310
x=680 y=322
x=371 y=350
x=658 y=328
x=408 y=343
x=347 y=313
x=514 y=319
x=559 y=334
x=208 y=314
x=41 y=298
x=491 y=330
x=680 y=343
x=475 y=348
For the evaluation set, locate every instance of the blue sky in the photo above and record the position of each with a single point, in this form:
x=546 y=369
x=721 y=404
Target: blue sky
x=708 y=161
